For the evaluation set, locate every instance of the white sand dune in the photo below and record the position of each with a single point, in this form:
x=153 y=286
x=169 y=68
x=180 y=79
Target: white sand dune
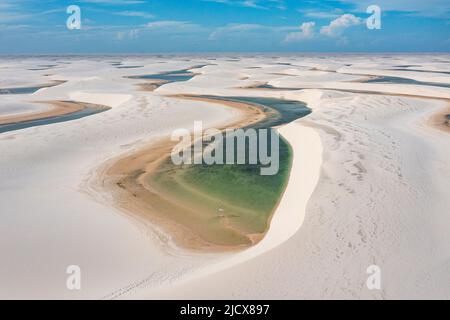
x=380 y=201
x=369 y=183
x=289 y=215
x=12 y=107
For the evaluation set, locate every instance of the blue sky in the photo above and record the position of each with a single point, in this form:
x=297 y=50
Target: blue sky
x=150 y=26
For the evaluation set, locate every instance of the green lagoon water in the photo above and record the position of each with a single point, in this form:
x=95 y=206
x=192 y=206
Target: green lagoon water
x=229 y=202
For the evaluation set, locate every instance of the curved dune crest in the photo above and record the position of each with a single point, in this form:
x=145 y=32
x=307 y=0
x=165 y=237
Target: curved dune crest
x=368 y=183
x=135 y=180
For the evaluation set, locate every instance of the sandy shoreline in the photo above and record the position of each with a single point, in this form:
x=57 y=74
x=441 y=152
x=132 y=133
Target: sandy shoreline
x=256 y=263
x=127 y=179
x=38 y=87
x=59 y=108
x=441 y=120
x=368 y=183
x=151 y=85
x=285 y=222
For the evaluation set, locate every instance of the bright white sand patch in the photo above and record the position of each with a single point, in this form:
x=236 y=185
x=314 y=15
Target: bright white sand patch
x=110 y=100
x=382 y=196
x=20 y=108
x=367 y=209
x=289 y=216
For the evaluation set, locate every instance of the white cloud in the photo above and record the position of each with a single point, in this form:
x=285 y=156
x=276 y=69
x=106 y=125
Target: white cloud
x=338 y=25
x=234 y=28
x=6 y=4
x=135 y=14
x=165 y=24
x=334 y=29
x=114 y=2
x=12 y=11
x=13 y=16
x=425 y=8
x=16 y=10
x=256 y=4
x=10 y=27
x=132 y=34
x=241 y=29
x=173 y=27
x=332 y=14
x=164 y=28
x=306 y=32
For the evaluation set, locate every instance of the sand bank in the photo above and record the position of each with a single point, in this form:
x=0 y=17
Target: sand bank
x=128 y=179
x=28 y=90
x=151 y=86
x=382 y=197
x=352 y=221
x=285 y=223
x=441 y=119
x=59 y=108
